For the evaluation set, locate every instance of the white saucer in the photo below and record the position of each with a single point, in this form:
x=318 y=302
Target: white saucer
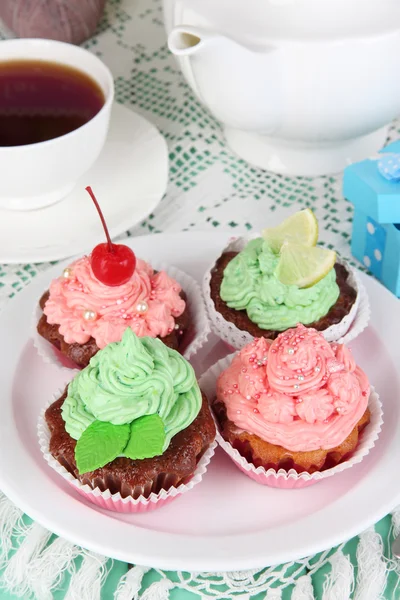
x=228 y=522
x=129 y=180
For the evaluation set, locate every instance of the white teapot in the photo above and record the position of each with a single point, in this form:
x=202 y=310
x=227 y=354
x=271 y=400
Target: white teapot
x=302 y=87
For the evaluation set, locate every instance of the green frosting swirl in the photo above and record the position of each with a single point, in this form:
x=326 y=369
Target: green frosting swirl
x=129 y=379
x=250 y=283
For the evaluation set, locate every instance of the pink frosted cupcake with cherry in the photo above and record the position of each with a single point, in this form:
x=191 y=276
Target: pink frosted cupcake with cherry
x=97 y=297
x=293 y=410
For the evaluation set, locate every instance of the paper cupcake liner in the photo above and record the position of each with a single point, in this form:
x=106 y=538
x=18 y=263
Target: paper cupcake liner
x=291 y=479
x=115 y=502
x=195 y=337
x=198 y=333
x=348 y=328
x=362 y=312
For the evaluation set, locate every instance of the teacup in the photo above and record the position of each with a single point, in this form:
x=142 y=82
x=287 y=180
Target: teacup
x=37 y=175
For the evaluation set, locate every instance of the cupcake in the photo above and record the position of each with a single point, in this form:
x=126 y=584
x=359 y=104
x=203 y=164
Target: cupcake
x=79 y=315
x=98 y=296
x=296 y=405
x=133 y=425
x=263 y=286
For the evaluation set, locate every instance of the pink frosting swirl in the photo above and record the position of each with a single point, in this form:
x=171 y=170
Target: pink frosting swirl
x=299 y=392
x=113 y=308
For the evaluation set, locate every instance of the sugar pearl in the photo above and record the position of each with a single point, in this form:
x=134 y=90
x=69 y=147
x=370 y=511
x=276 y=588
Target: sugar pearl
x=67 y=273
x=142 y=307
x=89 y=315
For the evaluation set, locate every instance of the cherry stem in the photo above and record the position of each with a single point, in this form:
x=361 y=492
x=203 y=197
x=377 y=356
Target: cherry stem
x=103 y=221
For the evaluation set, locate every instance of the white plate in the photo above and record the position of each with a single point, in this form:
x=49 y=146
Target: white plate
x=228 y=522
x=129 y=179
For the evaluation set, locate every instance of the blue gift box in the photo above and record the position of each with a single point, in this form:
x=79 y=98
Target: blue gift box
x=376 y=224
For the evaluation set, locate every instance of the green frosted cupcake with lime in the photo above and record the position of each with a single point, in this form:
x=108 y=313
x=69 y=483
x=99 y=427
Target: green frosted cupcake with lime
x=132 y=430
x=262 y=286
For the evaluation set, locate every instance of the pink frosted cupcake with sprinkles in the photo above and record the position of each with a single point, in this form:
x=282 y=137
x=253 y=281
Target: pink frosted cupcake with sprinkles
x=297 y=406
x=97 y=297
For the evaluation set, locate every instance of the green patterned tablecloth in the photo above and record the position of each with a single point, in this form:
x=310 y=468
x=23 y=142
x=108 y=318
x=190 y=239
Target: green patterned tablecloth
x=209 y=188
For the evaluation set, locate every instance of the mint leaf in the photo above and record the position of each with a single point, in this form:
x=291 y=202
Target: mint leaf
x=99 y=444
x=147 y=438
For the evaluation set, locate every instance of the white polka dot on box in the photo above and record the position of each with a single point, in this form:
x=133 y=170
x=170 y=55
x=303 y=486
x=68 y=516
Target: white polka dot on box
x=373 y=186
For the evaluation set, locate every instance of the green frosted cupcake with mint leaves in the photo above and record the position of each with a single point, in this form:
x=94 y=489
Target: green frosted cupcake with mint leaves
x=131 y=425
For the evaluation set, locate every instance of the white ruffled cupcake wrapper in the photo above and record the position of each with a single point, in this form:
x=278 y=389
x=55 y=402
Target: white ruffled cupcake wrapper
x=291 y=479
x=115 y=502
x=348 y=329
x=197 y=335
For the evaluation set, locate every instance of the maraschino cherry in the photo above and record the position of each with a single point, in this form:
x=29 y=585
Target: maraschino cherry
x=112 y=264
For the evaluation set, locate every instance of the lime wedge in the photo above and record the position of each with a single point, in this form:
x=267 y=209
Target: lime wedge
x=304 y=266
x=300 y=228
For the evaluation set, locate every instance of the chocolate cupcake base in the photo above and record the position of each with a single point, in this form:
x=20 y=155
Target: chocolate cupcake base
x=239 y=318
x=134 y=478
x=80 y=354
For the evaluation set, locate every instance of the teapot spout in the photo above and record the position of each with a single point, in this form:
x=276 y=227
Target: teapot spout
x=186 y=40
